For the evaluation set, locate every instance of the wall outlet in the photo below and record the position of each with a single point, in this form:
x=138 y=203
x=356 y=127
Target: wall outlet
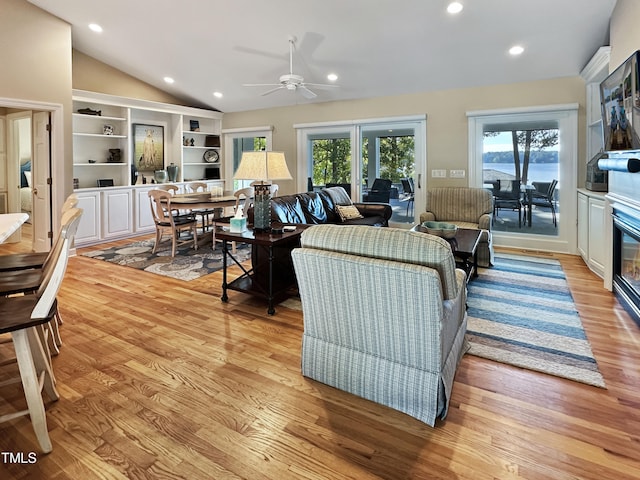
x=438 y=173
x=457 y=173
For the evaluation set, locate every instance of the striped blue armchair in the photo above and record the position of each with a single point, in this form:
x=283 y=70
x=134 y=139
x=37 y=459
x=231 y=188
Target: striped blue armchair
x=467 y=207
x=384 y=315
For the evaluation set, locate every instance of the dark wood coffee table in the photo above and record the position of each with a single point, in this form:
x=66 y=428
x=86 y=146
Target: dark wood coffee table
x=464 y=247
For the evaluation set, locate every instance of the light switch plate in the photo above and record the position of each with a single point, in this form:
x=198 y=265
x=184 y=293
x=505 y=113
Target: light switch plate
x=457 y=173
x=438 y=173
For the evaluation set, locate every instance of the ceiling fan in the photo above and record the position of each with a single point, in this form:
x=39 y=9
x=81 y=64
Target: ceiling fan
x=291 y=81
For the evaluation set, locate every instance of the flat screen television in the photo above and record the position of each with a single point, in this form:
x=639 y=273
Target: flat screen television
x=620 y=103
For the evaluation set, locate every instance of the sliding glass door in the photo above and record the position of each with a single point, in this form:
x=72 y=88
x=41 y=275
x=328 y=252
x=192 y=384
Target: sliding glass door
x=354 y=155
x=388 y=153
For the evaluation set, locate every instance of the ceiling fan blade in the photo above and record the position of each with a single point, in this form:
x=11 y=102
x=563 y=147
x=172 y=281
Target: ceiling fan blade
x=262 y=53
x=260 y=84
x=306 y=93
x=321 y=85
x=272 y=90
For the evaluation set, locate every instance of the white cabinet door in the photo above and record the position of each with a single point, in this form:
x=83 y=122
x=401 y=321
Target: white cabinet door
x=117 y=213
x=143 y=217
x=583 y=227
x=89 y=226
x=597 y=247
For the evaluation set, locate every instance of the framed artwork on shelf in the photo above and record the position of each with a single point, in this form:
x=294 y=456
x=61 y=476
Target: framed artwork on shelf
x=194 y=125
x=148 y=147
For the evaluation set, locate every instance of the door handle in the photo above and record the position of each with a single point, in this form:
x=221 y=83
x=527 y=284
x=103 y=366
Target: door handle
x=35 y=191
x=419 y=180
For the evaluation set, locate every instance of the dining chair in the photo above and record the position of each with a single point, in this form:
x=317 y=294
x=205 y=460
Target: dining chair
x=174 y=225
x=20 y=316
x=168 y=187
x=244 y=196
x=28 y=260
x=28 y=281
x=206 y=214
x=173 y=190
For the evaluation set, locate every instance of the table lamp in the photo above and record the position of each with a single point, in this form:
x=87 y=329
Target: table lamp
x=264 y=167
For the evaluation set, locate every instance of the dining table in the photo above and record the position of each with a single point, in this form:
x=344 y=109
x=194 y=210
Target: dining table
x=10 y=223
x=204 y=200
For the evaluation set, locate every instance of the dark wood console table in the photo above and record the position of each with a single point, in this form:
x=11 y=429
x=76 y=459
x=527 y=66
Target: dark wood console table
x=271 y=274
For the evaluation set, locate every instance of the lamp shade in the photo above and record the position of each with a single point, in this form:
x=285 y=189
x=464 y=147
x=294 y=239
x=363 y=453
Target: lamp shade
x=262 y=166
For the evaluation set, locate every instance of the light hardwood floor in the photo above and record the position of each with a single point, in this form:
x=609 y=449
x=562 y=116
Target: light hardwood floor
x=160 y=379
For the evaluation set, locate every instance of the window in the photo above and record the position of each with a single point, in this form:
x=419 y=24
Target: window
x=243 y=140
x=545 y=140
x=526 y=156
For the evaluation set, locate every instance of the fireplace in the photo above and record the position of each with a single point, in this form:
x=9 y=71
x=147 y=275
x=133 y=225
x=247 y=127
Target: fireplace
x=626 y=260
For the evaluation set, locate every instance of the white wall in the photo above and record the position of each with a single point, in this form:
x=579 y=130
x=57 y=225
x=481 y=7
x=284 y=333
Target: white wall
x=35 y=55
x=624 y=32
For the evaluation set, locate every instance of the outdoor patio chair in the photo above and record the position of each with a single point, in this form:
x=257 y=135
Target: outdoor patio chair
x=508 y=199
x=380 y=191
x=407 y=187
x=543 y=196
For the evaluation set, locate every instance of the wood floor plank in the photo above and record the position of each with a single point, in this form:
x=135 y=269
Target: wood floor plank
x=160 y=379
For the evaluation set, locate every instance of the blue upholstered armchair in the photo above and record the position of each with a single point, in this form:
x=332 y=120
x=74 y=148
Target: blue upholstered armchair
x=384 y=315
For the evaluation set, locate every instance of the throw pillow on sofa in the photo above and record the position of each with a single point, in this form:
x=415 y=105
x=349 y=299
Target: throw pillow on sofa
x=348 y=212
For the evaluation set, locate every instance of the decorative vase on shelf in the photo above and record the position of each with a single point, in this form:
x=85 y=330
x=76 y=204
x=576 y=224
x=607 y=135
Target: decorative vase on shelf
x=160 y=176
x=172 y=171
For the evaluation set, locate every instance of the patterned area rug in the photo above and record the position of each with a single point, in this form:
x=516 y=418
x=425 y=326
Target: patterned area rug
x=521 y=312
x=188 y=264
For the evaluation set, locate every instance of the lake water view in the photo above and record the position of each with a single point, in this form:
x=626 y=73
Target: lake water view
x=538 y=172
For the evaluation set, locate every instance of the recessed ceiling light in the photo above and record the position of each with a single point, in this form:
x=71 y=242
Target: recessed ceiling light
x=516 y=50
x=217 y=94
x=169 y=79
x=95 y=27
x=332 y=77
x=454 y=7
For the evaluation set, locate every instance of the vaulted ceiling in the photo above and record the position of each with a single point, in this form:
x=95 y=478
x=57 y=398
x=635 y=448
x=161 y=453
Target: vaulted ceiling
x=375 y=47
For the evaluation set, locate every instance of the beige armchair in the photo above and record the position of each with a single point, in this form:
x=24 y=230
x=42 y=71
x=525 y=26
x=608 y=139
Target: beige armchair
x=384 y=315
x=466 y=207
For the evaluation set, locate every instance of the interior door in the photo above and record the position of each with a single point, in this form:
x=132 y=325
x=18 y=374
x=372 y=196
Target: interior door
x=41 y=189
x=16 y=137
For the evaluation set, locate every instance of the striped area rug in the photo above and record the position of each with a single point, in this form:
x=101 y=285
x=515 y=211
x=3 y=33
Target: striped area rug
x=521 y=313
